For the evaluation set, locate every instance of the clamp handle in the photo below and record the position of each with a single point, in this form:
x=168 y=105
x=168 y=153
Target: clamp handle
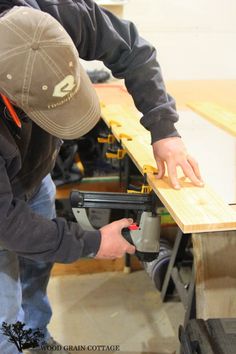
x=106 y=139
x=118 y=154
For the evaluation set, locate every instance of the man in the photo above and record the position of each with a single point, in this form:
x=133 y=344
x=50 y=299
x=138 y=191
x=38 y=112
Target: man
x=40 y=74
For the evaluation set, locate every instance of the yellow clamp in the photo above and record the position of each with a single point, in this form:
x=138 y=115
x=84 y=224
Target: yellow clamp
x=110 y=139
x=114 y=122
x=79 y=163
x=120 y=154
x=125 y=136
x=149 y=169
x=145 y=188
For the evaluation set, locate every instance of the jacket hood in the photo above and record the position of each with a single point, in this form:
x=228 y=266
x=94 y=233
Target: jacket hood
x=8 y=4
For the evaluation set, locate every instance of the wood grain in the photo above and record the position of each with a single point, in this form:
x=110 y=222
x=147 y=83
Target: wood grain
x=217 y=115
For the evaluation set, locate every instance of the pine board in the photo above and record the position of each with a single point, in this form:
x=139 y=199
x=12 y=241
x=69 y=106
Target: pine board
x=194 y=209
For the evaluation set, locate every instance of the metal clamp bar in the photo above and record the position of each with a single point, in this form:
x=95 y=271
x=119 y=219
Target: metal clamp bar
x=112 y=200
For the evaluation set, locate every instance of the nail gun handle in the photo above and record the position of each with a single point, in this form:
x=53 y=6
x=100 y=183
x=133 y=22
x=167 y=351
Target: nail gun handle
x=126 y=234
x=142 y=255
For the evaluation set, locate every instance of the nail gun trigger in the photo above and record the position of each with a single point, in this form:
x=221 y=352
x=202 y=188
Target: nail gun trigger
x=133 y=227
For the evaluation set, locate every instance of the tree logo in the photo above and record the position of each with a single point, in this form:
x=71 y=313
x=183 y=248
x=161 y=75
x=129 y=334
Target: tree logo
x=22 y=338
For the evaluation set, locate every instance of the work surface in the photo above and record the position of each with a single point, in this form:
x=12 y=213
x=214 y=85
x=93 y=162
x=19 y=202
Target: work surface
x=194 y=209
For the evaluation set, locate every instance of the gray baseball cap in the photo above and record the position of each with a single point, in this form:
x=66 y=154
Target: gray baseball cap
x=40 y=72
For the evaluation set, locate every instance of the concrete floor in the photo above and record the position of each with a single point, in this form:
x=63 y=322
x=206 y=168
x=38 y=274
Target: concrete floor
x=115 y=309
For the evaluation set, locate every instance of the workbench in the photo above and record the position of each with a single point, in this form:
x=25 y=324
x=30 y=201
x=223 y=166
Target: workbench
x=201 y=212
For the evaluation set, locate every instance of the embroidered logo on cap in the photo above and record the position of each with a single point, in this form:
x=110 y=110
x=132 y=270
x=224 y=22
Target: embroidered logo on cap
x=64 y=87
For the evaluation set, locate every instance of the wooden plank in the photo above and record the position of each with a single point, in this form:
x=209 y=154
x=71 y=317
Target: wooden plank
x=194 y=209
x=215 y=267
x=216 y=114
x=116 y=116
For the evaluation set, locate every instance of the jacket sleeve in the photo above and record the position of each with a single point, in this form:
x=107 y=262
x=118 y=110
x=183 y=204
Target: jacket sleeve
x=100 y=35
x=37 y=238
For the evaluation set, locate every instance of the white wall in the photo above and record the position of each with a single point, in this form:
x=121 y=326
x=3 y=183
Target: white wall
x=195 y=39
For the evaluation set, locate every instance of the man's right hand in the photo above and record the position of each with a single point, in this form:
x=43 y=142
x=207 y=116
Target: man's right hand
x=171 y=153
x=113 y=245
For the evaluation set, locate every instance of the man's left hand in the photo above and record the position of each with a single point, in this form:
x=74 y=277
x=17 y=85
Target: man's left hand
x=170 y=153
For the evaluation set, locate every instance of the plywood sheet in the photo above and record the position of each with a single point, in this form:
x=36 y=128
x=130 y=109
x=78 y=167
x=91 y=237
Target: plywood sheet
x=194 y=209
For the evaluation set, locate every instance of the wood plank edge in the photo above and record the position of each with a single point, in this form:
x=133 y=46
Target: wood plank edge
x=210 y=119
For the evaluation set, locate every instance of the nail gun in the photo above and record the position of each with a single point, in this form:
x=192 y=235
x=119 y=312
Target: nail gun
x=144 y=234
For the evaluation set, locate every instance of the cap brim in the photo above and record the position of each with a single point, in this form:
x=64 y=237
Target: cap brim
x=74 y=118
